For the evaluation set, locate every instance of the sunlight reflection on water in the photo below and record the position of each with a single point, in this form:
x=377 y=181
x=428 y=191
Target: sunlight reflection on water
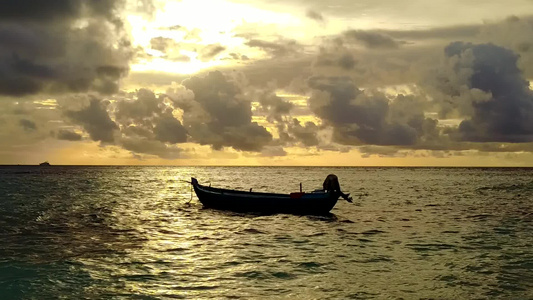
x=101 y=232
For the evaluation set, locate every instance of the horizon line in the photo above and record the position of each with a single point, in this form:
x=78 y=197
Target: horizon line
x=262 y=166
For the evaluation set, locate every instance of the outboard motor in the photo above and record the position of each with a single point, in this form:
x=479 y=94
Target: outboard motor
x=331 y=184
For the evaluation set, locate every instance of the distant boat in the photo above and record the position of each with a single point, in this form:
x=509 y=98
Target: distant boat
x=44 y=164
x=314 y=203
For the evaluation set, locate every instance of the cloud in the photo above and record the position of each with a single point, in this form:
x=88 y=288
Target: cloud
x=236 y=56
x=45 y=47
x=367 y=117
x=313 y=15
x=306 y=134
x=382 y=151
x=506 y=115
x=344 y=61
x=515 y=33
x=273 y=151
x=372 y=39
x=210 y=51
x=273 y=106
x=147 y=146
x=149 y=117
x=214 y=109
x=173 y=27
x=456 y=32
x=31 y=10
x=169 y=48
x=169 y=129
x=145 y=106
x=68 y=135
x=95 y=120
x=281 y=71
x=276 y=49
x=220 y=115
x=27 y=125
x=161 y=43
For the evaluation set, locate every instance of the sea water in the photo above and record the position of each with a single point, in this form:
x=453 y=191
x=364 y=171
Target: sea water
x=139 y=233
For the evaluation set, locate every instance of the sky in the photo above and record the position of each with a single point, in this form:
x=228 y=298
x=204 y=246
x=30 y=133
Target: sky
x=256 y=82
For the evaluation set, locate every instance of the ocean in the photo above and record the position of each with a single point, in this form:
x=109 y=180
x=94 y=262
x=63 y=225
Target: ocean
x=91 y=232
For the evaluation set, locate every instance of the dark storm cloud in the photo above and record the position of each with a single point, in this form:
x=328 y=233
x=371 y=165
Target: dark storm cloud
x=145 y=106
x=273 y=106
x=221 y=99
x=144 y=124
x=220 y=115
x=359 y=117
x=43 y=48
x=506 y=116
x=147 y=116
x=372 y=39
x=169 y=129
x=306 y=134
x=137 y=130
x=515 y=33
x=28 y=125
x=68 y=135
x=31 y=10
x=95 y=120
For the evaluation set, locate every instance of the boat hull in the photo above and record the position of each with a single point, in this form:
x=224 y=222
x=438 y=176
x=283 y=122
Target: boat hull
x=316 y=203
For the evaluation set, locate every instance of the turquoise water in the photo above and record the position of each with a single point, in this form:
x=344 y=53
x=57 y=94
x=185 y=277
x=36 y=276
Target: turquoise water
x=135 y=233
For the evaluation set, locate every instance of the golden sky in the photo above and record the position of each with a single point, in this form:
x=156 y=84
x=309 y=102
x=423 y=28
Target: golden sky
x=219 y=82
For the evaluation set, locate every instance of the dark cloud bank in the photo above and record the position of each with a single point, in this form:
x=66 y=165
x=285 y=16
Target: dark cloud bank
x=359 y=117
x=502 y=113
x=58 y=46
x=507 y=116
x=41 y=51
x=216 y=111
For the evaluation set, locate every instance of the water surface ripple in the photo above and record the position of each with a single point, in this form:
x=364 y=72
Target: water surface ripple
x=134 y=233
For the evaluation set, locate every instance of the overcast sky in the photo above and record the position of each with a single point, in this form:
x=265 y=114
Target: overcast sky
x=292 y=82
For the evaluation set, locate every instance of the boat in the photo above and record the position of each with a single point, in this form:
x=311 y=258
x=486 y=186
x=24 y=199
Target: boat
x=315 y=203
x=44 y=164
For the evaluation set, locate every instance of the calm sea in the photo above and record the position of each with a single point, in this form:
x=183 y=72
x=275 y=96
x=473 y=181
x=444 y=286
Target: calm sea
x=135 y=233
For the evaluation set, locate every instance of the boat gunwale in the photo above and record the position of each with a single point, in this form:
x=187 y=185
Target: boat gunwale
x=224 y=191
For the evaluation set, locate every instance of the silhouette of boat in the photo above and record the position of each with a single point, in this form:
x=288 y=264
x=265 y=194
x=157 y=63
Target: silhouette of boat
x=44 y=164
x=314 y=203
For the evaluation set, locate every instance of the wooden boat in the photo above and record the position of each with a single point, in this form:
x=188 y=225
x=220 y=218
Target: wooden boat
x=314 y=203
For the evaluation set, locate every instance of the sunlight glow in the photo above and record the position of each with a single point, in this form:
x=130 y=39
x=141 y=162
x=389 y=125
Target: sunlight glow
x=192 y=25
x=177 y=67
x=46 y=104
